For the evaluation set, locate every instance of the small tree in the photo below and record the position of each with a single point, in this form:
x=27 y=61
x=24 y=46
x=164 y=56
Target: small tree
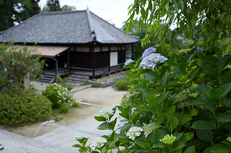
x=17 y=62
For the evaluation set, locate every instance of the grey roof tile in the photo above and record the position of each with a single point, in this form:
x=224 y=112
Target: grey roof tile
x=66 y=27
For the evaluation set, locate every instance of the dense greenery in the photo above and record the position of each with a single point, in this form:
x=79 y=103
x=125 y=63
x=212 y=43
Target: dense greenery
x=54 y=5
x=63 y=82
x=122 y=84
x=16 y=63
x=16 y=11
x=20 y=105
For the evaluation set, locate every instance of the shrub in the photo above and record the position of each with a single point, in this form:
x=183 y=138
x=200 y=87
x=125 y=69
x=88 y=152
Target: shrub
x=122 y=84
x=75 y=103
x=180 y=104
x=87 y=83
x=20 y=105
x=95 y=85
x=64 y=108
x=57 y=94
x=63 y=83
x=58 y=118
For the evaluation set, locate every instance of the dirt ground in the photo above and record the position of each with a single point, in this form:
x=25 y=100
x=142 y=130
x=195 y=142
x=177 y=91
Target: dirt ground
x=33 y=130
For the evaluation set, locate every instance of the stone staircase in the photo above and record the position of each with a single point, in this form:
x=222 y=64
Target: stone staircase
x=47 y=78
x=77 y=79
x=14 y=143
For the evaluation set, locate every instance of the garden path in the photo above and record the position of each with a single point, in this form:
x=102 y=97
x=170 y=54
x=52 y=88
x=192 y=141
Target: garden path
x=60 y=140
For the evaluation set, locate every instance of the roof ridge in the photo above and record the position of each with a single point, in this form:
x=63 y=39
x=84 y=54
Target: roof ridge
x=61 y=12
x=111 y=24
x=90 y=24
x=23 y=22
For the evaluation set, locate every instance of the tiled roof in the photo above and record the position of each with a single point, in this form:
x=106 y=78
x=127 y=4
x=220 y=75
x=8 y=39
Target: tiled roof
x=66 y=28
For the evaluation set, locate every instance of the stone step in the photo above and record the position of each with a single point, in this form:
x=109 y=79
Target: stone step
x=79 y=76
x=19 y=144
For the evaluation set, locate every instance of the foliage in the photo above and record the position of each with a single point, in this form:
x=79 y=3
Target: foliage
x=58 y=95
x=181 y=105
x=87 y=83
x=58 y=118
x=16 y=11
x=64 y=109
x=205 y=20
x=54 y=5
x=63 y=82
x=20 y=105
x=95 y=85
x=122 y=84
x=75 y=103
x=18 y=62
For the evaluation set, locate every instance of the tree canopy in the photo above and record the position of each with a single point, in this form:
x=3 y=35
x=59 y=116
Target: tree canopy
x=196 y=19
x=16 y=11
x=54 y=5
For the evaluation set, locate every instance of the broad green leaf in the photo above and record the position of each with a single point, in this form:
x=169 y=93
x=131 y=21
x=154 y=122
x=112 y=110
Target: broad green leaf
x=100 y=118
x=176 y=70
x=169 y=113
x=165 y=79
x=201 y=125
x=190 y=149
x=104 y=126
x=227 y=102
x=152 y=126
x=158 y=145
x=220 y=148
x=178 y=145
x=193 y=112
x=120 y=136
x=222 y=91
x=205 y=135
x=135 y=118
x=189 y=135
x=205 y=89
x=225 y=117
x=77 y=146
x=172 y=124
x=185 y=119
x=141 y=143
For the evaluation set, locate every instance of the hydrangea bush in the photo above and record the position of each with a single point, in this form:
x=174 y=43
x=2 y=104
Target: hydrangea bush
x=184 y=106
x=58 y=95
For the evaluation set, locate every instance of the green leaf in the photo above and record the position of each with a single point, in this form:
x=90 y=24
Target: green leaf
x=77 y=146
x=141 y=143
x=178 y=145
x=104 y=126
x=185 y=119
x=158 y=145
x=135 y=118
x=201 y=125
x=165 y=79
x=151 y=126
x=189 y=135
x=100 y=118
x=193 y=112
x=172 y=124
x=225 y=117
x=227 y=102
x=219 y=148
x=205 y=135
x=190 y=149
x=176 y=70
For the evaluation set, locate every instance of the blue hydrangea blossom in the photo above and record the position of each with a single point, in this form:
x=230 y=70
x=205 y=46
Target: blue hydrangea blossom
x=128 y=61
x=148 y=51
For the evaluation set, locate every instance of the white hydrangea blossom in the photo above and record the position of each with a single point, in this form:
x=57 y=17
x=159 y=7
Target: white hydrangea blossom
x=79 y=136
x=128 y=61
x=97 y=143
x=134 y=132
x=106 y=112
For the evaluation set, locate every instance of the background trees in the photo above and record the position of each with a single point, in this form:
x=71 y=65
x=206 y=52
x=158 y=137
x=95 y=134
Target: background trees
x=16 y=11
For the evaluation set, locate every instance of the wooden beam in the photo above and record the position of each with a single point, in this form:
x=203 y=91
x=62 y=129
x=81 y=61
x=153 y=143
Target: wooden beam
x=109 y=59
x=93 y=60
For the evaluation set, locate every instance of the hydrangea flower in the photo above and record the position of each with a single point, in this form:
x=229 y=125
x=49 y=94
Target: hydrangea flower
x=168 y=139
x=200 y=49
x=134 y=132
x=5 y=69
x=229 y=139
x=151 y=60
x=79 y=136
x=106 y=112
x=128 y=61
x=98 y=143
x=148 y=51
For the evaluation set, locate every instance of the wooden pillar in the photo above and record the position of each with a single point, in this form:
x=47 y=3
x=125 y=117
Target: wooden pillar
x=56 y=66
x=109 y=59
x=68 y=61
x=93 y=60
x=121 y=57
